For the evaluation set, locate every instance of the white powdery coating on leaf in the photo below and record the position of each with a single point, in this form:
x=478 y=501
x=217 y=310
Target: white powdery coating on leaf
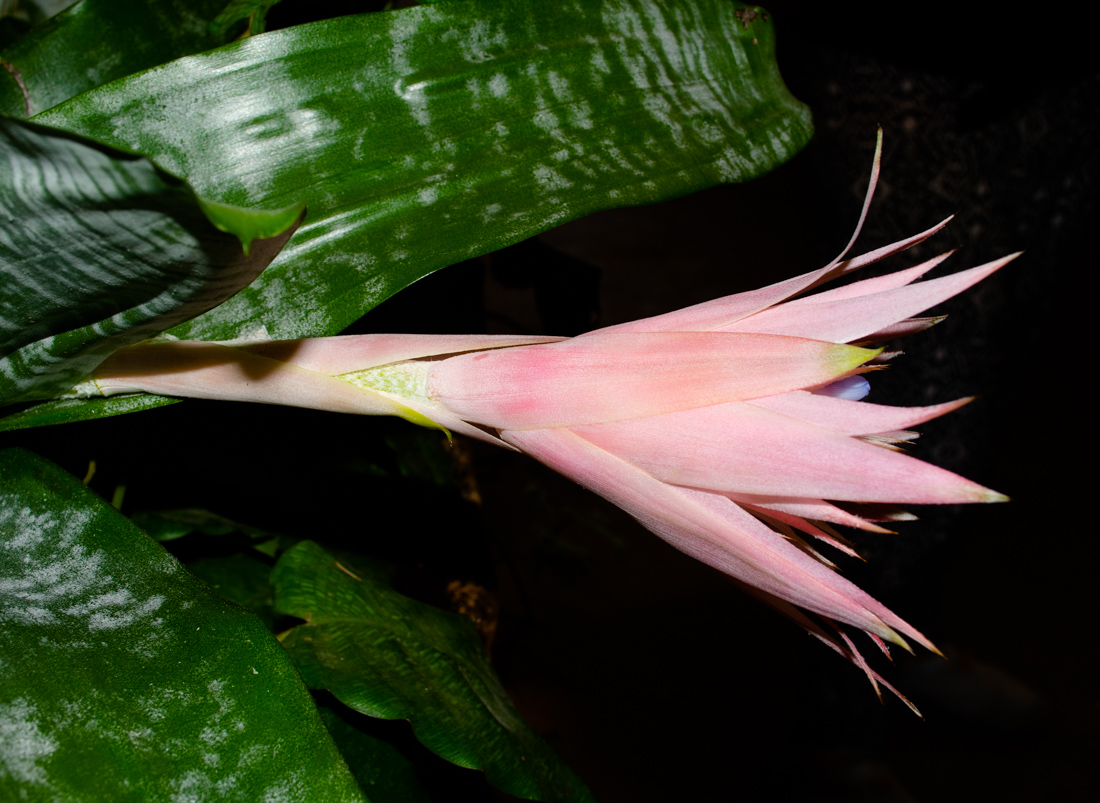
x=213 y=736
x=290 y=790
x=22 y=743
x=550 y=179
x=58 y=579
x=192 y=787
x=403 y=30
x=115 y=609
x=480 y=42
x=142 y=738
x=257 y=334
x=498 y=85
x=83 y=390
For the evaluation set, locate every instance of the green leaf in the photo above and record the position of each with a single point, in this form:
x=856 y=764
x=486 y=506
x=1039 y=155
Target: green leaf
x=68 y=411
x=251 y=224
x=239 y=578
x=382 y=771
x=96 y=42
x=168 y=525
x=254 y=11
x=392 y=657
x=424 y=136
x=103 y=250
x=243 y=576
x=125 y=678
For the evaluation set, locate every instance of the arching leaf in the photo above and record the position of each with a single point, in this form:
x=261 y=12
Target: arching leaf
x=389 y=656
x=102 y=250
x=127 y=679
x=99 y=41
x=427 y=135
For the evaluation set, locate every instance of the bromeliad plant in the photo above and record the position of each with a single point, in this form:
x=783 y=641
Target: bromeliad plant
x=189 y=217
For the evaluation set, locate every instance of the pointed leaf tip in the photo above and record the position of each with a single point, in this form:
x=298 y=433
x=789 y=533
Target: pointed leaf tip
x=251 y=224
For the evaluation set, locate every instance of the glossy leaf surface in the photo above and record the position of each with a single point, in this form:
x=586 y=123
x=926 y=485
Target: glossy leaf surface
x=125 y=678
x=389 y=656
x=101 y=249
x=68 y=411
x=427 y=135
x=98 y=41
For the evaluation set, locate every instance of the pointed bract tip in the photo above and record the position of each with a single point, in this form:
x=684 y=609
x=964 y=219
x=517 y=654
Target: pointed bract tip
x=894 y=637
x=847 y=359
x=866 y=369
x=882 y=645
x=908 y=704
x=996 y=264
x=935 y=320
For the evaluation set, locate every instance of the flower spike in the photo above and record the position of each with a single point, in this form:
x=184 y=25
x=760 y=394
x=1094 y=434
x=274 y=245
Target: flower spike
x=733 y=429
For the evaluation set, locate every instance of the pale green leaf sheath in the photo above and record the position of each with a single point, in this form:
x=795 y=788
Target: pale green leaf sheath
x=126 y=679
x=427 y=135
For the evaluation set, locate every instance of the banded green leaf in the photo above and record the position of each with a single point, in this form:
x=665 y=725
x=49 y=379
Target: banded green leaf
x=68 y=411
x=423 y=136
x=96 y=42
x=100 y=249
x=125 y=678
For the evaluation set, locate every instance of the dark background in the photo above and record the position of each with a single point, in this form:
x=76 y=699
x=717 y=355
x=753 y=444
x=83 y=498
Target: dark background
x=660 y=682
x=651 y=674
